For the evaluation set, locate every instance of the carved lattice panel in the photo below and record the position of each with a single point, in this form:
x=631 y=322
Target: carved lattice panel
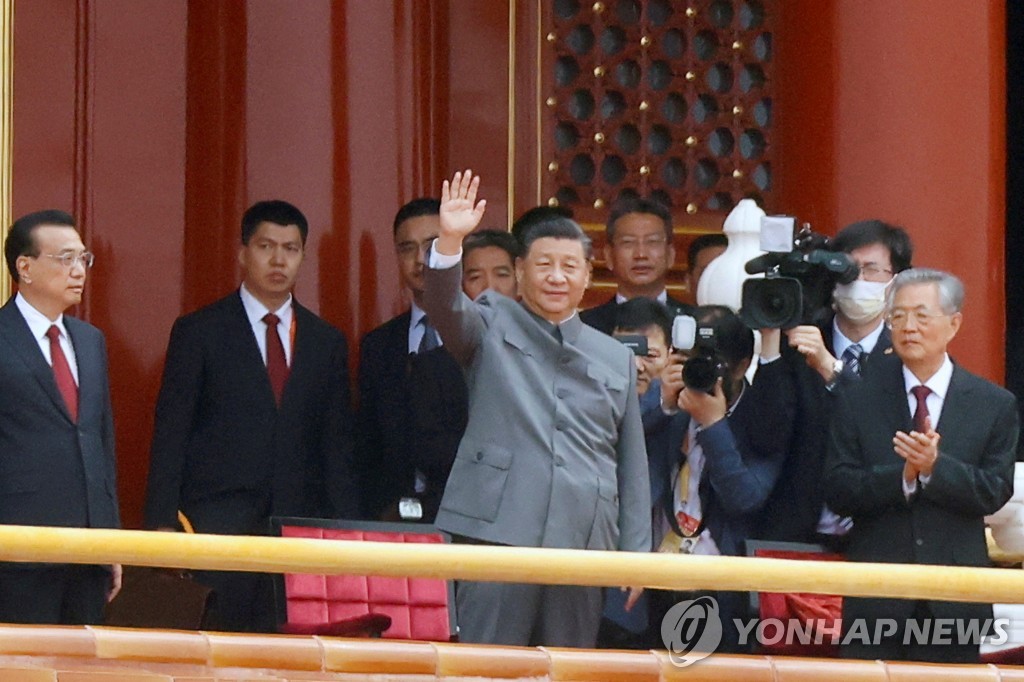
x=662 y=98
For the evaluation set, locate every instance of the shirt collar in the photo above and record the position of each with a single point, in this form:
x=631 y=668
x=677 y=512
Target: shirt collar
x=938 y=383
x=661 y=298
x=255 y=310
x=840 y=343
x=417 y=313
x=38 y=323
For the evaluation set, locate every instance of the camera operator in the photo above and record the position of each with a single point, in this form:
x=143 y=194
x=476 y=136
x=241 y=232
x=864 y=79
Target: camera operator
x=730 y=441
x=838 y=351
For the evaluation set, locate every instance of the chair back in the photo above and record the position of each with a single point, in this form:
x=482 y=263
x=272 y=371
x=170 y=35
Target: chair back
x=419 y=608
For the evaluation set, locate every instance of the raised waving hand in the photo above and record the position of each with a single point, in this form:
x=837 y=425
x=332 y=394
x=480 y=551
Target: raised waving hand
x=460 y=211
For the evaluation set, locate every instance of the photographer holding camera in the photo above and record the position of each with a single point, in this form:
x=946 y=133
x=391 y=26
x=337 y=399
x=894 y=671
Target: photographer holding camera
x=731 y=439
x=840 y=348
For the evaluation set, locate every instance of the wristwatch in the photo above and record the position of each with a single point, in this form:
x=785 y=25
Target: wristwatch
x=837 y=371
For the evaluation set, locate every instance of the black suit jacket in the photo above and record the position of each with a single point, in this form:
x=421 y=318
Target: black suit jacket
x=53 y=471
x=602 y=317
x=794 y=509
x=943 y=522
x=223 y=452
x=412 y=414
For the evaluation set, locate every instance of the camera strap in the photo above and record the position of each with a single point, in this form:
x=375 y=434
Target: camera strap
x=685 y=528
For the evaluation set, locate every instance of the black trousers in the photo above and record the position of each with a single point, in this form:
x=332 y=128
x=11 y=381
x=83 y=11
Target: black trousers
x=242 y=602
x=900 y=647
x=53 y=594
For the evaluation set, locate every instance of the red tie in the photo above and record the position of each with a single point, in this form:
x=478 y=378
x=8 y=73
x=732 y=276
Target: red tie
x=62 y=373
x=277 y=364
x=921 y=413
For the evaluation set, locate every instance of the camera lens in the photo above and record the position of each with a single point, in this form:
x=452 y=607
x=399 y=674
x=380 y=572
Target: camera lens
x=774 y=302
x=700 y=374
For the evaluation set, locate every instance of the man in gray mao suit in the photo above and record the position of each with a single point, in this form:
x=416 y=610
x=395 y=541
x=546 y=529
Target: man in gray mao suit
x=553 y=454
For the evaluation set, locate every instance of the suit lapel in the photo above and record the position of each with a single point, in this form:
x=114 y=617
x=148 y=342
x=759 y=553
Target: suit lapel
x=245 y=351
x=15 y=330
x=679 y=426
x=899 y=407
x=90 y=364
x=882 y=348
x=305 y=353
x=957 y=402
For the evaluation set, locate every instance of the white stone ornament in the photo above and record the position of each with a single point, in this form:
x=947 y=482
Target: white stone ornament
x=722 y=280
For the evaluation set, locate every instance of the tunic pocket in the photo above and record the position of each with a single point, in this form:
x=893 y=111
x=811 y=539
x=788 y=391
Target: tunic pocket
x=478 y=481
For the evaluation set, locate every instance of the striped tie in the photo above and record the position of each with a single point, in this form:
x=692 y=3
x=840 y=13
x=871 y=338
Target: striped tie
x=851 y=358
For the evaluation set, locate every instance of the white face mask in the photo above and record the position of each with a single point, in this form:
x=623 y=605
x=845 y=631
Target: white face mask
x=861 y=301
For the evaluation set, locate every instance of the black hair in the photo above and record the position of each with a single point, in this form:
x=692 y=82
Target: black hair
x=640 y=313
x=484 y=238
x=558 y=228
x=867 y=232
x=414 y=209
x=629 y=205
x=274 y=211
x=705 y=241
x=20 y=240
x=537 y=215
x=733 y=339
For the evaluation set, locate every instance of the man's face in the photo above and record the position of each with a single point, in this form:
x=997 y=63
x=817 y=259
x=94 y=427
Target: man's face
x=488 y=267
x=412 y=239
x=920 y=330
x=649 y=366
x=271 y=260
x=640 y=254
x=553 y=276
x=52 y=287
x=875 y=262
x=704 y=257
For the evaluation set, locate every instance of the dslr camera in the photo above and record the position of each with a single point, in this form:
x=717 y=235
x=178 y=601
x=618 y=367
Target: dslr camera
x=705 y=365
x=800 y=273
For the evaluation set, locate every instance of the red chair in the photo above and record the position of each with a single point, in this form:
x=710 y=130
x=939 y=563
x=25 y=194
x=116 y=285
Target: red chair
x=349 y=605
x=818 y=616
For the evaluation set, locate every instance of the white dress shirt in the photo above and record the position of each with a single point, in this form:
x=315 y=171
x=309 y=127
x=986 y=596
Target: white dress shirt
x=661 y=298
x=691 y=505
x=39 y=324
x=840 y=343
x=417 y=330
x=255 y=311
x=939 y=385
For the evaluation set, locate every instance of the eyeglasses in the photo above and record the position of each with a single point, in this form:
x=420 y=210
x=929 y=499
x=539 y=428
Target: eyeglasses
x=649 y=243
x=898 y=319
x=871 y=270
x=70 y=260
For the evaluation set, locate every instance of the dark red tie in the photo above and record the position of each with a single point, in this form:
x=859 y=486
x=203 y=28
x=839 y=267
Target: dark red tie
x=62 y=373
x=277 y=363
x=921 y=413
